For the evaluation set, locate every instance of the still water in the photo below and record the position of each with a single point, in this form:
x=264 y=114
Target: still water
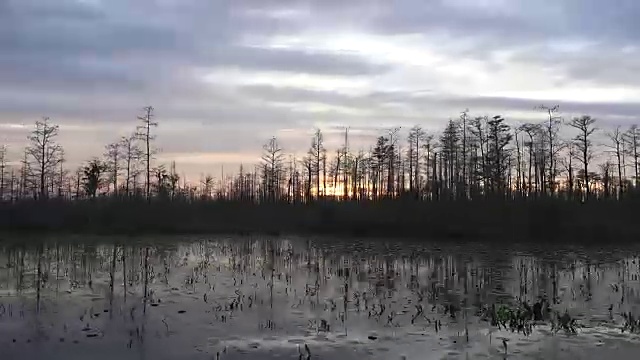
x=299 y=298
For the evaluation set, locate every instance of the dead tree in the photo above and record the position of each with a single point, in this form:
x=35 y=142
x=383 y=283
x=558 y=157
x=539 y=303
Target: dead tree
x=632 y=139
x=112 y=155
x=144 y=134
x=390 y=156
x=132 y=154
x=346 y=164
x=272 y=161
x=464 y=119
x=617 y=146
x=316 y=153
x=3 y=167
x=45 y=153
x=531 y=130
x=551 y=128
x=24 y=173
x=584 y=145
x=568 y=165
x=416 y=140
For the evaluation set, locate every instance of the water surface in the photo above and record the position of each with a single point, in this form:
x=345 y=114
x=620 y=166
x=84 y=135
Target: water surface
x=269 y=298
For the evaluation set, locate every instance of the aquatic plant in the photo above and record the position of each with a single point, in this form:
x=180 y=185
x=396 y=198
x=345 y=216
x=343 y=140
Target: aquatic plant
x=563 y=322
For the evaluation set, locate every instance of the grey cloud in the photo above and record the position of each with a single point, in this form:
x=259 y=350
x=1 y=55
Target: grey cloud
x=433 y=103
x=601 y=63
x=615 y=113
x=66 y=73
x=86 y=64
x=299 y=61
x=121 y=46
x=245 y=139
x=293 y=95
x=100 y=64
x=217 y=112
x=475 y=31
x=519 y=20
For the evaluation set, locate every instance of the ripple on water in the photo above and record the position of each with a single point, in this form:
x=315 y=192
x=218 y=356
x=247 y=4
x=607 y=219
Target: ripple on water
x=236 y=266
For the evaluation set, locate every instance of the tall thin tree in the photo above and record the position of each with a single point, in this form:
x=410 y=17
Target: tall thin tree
x=3 y=168
x=132 y=154
x=584 y=145
x=632 y=138
x=552 y=127
x=617 y=146
x=113 y=160
x=144 y=133
x=44 y=152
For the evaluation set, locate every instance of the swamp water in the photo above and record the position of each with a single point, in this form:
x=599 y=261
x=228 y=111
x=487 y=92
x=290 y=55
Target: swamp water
x=294 y=298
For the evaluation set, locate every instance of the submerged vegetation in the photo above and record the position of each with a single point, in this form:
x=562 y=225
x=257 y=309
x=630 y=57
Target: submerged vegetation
x=481 y=177
x=273 y=298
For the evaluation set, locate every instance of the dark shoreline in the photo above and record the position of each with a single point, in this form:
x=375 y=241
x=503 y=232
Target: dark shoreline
x=480 y=220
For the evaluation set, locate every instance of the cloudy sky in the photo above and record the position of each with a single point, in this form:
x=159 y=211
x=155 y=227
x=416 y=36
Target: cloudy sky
x=226 y=75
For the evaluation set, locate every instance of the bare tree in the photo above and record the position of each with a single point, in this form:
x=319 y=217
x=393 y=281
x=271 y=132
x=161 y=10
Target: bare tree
x=3 y=167
x=605 y=176
x=464 y=119
x=551 y=127
x=346 y=164
x=617 y=146
x=272 y=164
x=357 y=175
x=568 y=165
x=308 y=169
x=532 y=130
x=450 y=147
x=131 y=153
x=173 y=180
x=61 y=176
x=379 y=164
x=519 y=169
x=416 y=140
x=584 y=145
x=113 y=160
x=12 y=186
x=427 y=147
x=499 y=136
x=316 y=153
x=632 y=138
x=77 y=178
x=144 y=133
x=392 y=150
x=44 y=152
x=25 y=178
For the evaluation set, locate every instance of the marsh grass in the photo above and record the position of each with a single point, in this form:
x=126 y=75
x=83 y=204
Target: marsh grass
x=228 y=286
x=541 y=219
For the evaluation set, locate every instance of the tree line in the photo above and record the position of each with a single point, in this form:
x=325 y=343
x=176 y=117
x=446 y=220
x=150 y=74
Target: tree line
x=473 y=157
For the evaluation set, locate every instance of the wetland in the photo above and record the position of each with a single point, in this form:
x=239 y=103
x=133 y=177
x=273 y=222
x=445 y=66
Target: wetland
x=216 y=297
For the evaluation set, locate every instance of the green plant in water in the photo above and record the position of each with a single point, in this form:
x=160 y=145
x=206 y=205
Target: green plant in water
x=518 y=319
x=504 y=314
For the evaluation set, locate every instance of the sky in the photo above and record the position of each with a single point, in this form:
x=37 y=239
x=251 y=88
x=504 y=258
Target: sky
x=226 y=75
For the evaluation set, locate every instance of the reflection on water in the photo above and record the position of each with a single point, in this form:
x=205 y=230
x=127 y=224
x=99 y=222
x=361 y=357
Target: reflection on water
x=267 y=298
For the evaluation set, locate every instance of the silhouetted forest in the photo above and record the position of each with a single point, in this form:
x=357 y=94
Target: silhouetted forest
x=479 y=177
